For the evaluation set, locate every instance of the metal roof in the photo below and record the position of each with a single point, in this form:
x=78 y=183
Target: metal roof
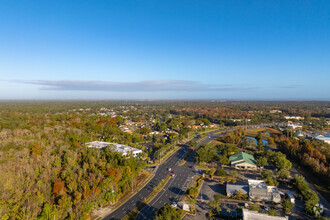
x=241 y=156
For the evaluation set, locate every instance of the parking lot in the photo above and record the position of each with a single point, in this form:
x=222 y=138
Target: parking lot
x=229 y=206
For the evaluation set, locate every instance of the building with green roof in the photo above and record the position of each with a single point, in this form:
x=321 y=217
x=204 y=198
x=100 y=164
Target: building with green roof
x=243 y=161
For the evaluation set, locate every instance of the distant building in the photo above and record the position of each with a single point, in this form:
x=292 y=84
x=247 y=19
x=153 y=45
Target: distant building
x=294 y=117
x=300 y=134
x=275 y=111
x=239 y=120
x=326 y=139
x=243 y=161
x=255 y=215
x=294 y=125
x=259 y=191
x=123 y=149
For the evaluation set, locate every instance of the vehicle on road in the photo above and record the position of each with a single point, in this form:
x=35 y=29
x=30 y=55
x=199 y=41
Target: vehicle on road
x=174 y=205
x=169 y=169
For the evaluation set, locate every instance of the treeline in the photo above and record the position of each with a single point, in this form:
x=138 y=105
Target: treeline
x=313 y=155
x=309 y=195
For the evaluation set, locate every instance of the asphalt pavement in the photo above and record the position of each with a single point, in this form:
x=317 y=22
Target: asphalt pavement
x=176 y=187
x=173 y=190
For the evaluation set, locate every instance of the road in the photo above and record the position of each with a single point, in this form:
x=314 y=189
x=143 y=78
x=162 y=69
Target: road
x=174 y=189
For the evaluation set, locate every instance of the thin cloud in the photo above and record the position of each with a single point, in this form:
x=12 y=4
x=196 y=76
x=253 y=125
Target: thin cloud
x=294 y=86
x=141 y=86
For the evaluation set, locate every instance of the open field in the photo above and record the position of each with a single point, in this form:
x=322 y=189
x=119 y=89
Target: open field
x=254 y=132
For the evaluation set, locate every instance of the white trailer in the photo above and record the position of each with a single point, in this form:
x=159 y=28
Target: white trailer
x=290 y=196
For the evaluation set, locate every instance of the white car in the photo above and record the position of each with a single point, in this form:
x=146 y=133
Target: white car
x=174 y=205
x=169 y=169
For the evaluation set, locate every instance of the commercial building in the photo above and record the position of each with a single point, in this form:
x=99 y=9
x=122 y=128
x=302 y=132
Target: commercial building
x=243 y=161
x=259 y=191
x=123 y=149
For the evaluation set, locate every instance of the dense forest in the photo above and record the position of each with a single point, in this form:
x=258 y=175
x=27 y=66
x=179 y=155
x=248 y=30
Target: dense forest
x=47 y=172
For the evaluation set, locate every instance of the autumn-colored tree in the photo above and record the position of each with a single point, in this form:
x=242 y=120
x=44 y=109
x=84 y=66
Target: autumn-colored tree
x=59 y=187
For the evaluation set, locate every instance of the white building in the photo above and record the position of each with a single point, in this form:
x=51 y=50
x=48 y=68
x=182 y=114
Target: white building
x=294 y=117
x=123 y=149
x=294 y=125
x=275 y=111
x=326 y=139
x=254 y=215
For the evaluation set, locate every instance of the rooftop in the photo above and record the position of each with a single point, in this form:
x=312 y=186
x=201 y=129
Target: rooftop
x=121 y=148
x=254 y=215
x=234 y=187
x=248 y=158
x=257 y=184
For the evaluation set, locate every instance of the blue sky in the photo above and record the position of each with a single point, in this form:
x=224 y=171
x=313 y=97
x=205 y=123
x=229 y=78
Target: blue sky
x=254 y=50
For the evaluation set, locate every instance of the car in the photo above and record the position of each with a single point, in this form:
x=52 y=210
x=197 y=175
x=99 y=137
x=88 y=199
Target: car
x=169 y=169
x=265 y=208
x=174 y=205
x=173 y=172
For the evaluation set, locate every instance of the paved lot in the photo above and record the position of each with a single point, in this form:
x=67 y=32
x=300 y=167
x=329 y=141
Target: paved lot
x=208 y=190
